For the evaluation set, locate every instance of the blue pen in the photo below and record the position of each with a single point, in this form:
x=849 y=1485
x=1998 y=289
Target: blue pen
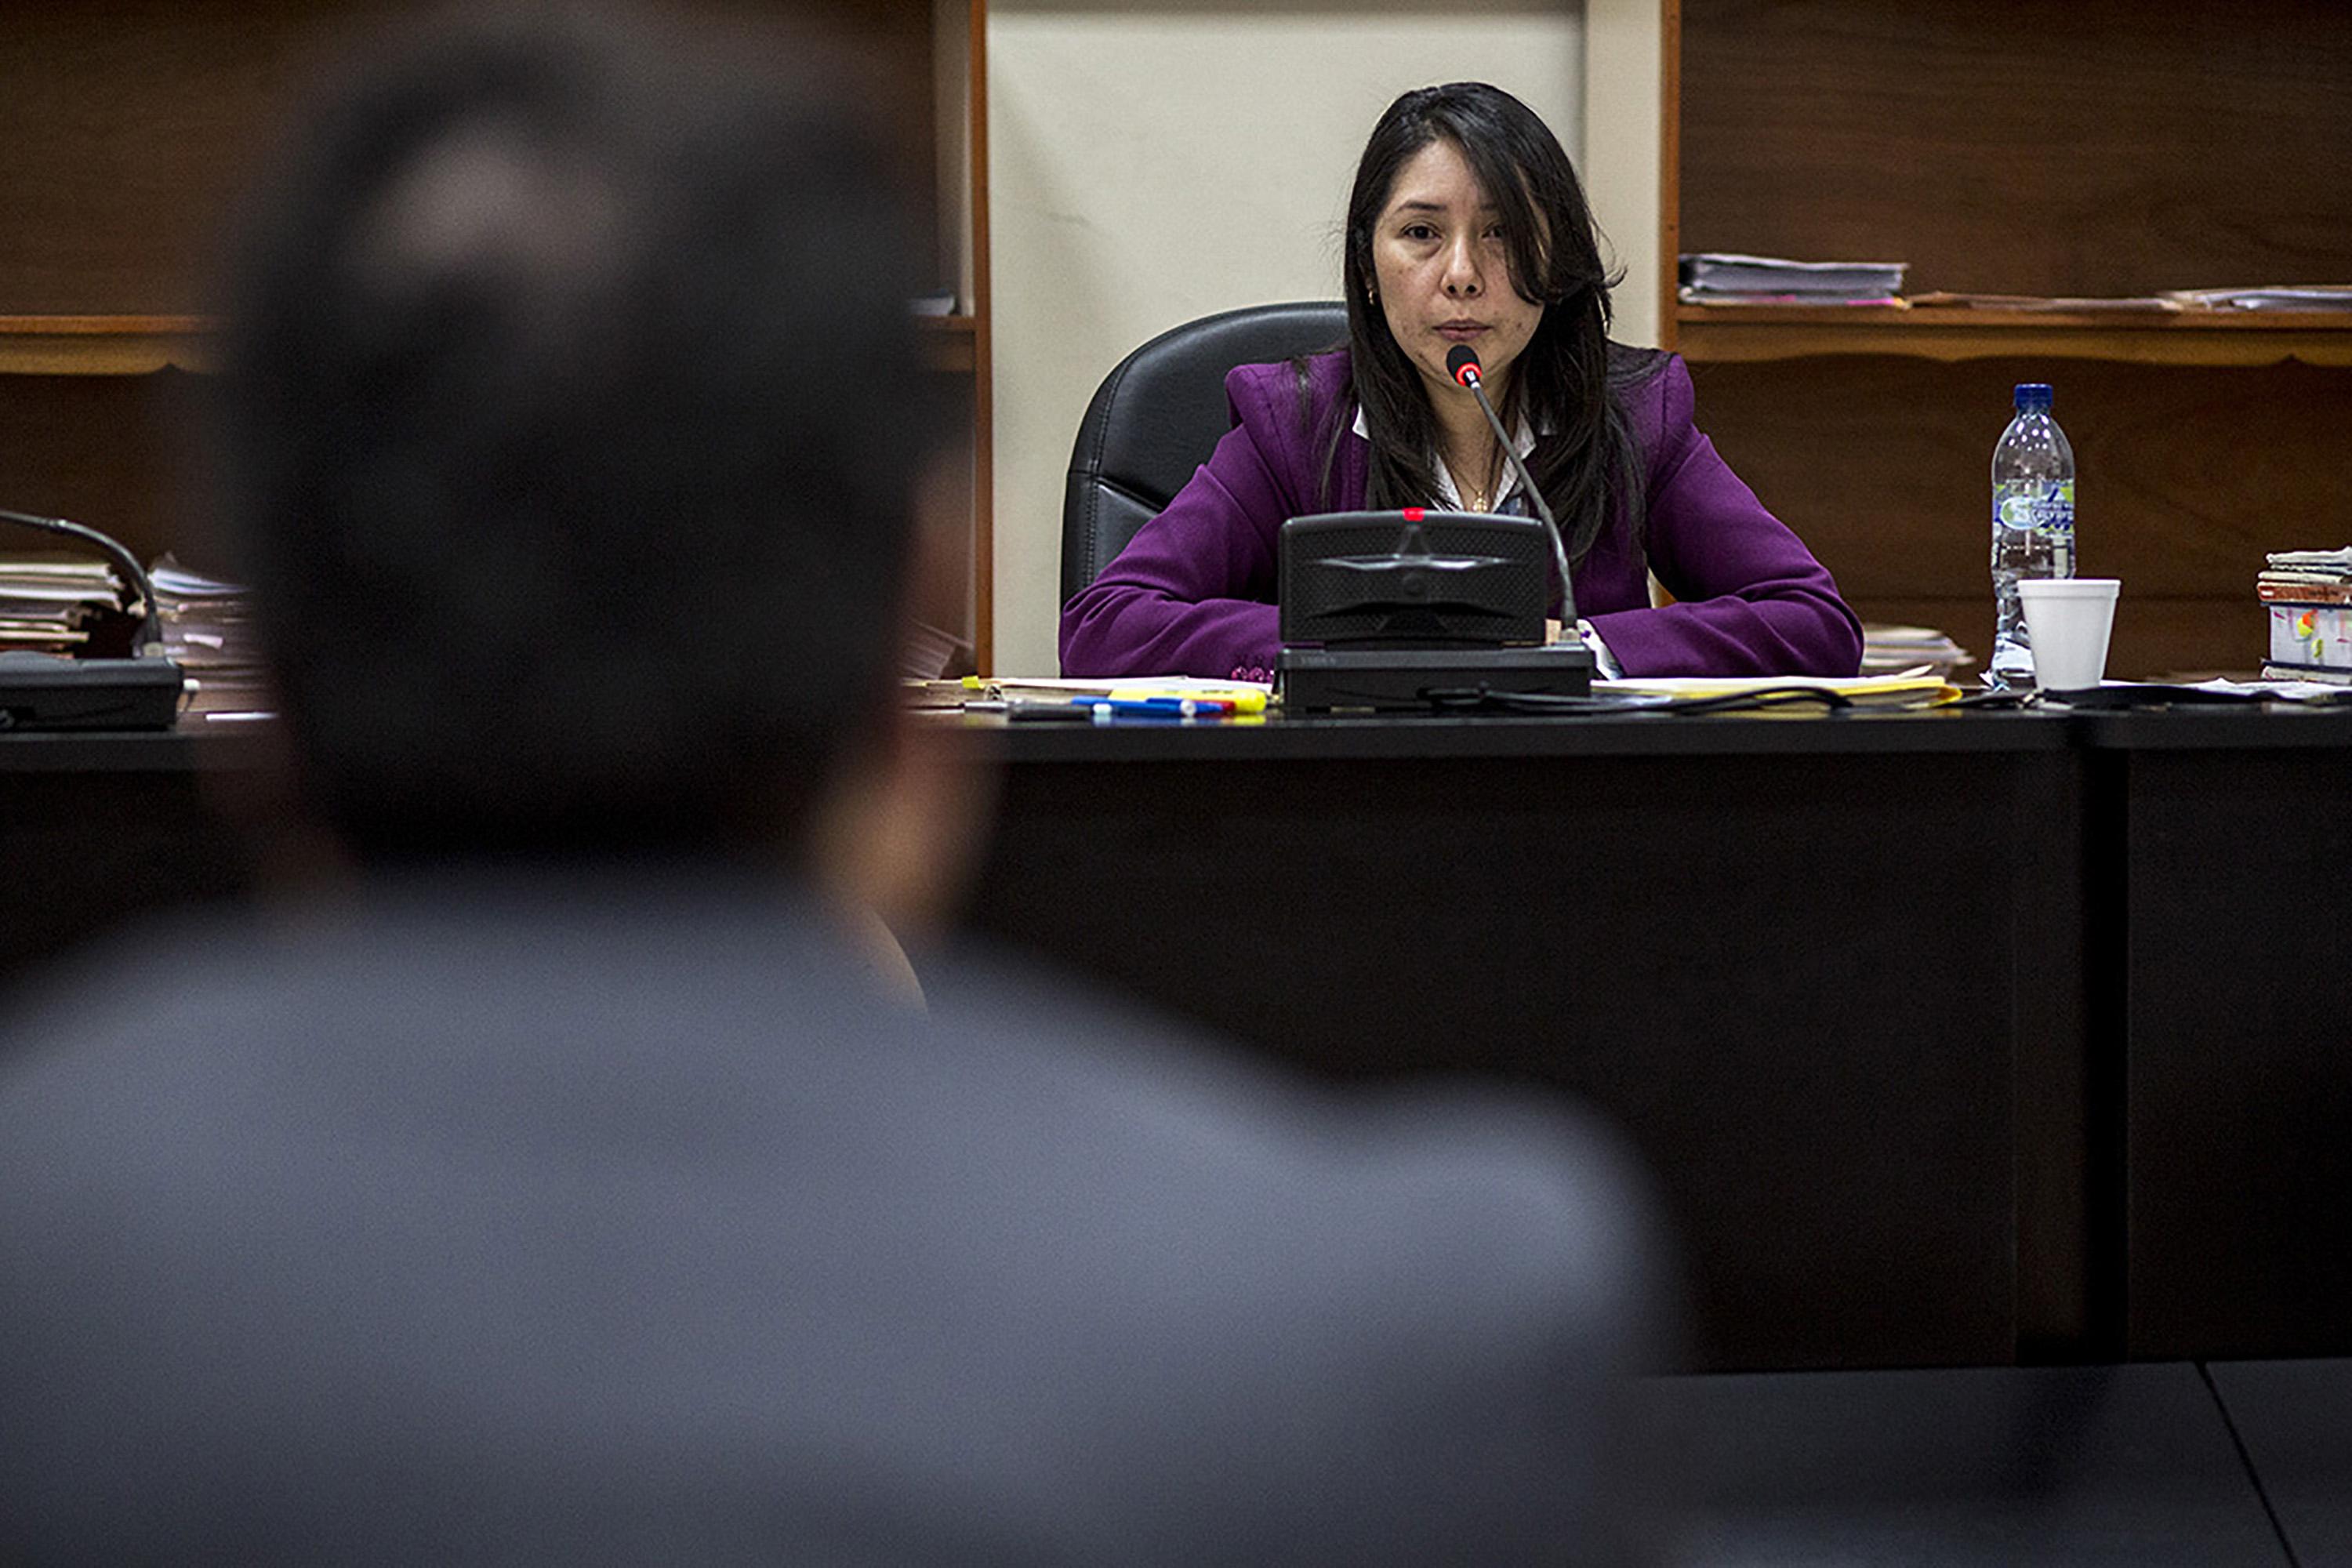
x=1107 y=709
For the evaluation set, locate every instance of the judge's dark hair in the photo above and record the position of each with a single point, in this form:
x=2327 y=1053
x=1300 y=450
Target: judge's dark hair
x=1566 y=382
x=569 y=425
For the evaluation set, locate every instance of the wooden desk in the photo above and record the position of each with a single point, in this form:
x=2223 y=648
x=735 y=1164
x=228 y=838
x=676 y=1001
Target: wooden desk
x=2131 y=1466
x=1826 y=972
x=2226 y=958
x=1952 y=1038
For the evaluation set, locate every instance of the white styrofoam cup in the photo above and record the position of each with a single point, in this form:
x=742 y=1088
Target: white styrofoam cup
x=2067 y=620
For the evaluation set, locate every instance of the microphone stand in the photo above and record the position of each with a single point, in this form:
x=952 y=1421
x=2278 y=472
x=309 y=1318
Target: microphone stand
x=142 y=692
x=150 y=638
x=1462 y=363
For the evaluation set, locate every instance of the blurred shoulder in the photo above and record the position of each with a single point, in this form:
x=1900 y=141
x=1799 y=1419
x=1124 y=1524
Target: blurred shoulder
x=1519 y=1182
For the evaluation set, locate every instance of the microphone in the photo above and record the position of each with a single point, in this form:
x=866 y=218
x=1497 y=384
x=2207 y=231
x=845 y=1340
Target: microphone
x=1462 y=364
x=148 y=640
x=38 y=692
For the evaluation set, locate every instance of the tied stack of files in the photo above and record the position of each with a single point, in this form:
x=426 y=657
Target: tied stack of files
x=208 y=633
x=46 y=605
x=1893 y=650
x=2308 y=595
x=1723 y=278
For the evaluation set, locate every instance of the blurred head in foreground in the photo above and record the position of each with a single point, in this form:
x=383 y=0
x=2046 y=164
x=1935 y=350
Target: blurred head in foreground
x=572 y=425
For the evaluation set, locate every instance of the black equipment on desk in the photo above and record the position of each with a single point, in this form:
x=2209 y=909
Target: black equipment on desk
x=1401 y=609
x=40 y=692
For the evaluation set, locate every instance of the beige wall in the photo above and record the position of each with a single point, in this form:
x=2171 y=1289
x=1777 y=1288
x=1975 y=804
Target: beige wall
x=1154 y=161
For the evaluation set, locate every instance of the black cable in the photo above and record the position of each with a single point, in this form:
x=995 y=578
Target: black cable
x=150 y=639
x=1480 y=699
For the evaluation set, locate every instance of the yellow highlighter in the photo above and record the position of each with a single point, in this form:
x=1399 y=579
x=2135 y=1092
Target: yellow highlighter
x=1241 y=701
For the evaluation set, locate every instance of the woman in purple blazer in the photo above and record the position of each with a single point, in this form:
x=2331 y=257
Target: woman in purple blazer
x=1462 y=192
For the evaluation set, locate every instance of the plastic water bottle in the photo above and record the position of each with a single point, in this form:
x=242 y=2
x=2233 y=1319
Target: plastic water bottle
x=2032 y=523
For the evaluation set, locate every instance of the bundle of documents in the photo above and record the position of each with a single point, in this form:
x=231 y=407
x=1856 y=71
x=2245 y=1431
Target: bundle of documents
x=46 y=602
x=208 y=632
x=1722 y=277
x=2307 y=595
x=1917 y=650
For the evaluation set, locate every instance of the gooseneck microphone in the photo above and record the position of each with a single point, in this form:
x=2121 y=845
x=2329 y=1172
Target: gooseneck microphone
x=1462 y=364
x=149 y=640
x=39 y=691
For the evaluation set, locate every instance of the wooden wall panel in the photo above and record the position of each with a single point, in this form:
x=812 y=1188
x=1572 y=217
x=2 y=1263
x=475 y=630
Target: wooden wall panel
x=2095 y=147
x=125 y=127
x=2186 y=477
x=112 y=451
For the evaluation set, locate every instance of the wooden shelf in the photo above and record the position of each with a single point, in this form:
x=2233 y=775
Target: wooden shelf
x=950 y=342
x=135 y=345
x=101 y=345
x=1755 y=333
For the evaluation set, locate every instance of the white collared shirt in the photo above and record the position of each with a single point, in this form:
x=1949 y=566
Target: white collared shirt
x=1523 y=441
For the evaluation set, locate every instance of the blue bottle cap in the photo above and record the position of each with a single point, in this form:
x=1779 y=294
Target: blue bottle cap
x=2033 y=395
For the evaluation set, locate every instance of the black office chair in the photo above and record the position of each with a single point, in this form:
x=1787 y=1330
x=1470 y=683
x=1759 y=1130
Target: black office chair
x=1158 y=415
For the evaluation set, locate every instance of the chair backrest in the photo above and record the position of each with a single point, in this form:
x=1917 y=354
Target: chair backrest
x=1158 y=415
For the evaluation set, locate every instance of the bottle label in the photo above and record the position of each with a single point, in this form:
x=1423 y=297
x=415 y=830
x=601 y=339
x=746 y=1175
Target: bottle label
x=2034 y=504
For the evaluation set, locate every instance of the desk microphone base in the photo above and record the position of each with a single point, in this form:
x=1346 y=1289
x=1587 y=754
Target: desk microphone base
x=41 y=693
x=1316 y=680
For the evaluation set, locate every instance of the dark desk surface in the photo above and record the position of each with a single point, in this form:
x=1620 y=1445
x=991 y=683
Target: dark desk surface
x=1884 y=997
x=1795 y=732
x=1997 y=1468
x=2296 y=1420
x=1341 y=737
x=1282 y=737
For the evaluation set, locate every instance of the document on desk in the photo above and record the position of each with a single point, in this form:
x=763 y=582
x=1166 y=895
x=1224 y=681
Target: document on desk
x=1007 y=688
x=1863 y=690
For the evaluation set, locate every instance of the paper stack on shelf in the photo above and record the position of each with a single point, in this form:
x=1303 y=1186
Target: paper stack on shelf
x=931 y=654
x=2308 y=595
x=208 y=632
x=1889 y=650
x=45 y=602
x=2269 y=296
x=1723 y=278
x=2118 y=304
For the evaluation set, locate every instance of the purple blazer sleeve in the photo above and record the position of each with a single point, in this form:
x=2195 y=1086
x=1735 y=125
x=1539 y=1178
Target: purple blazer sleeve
x=1750 y=598
x=1192 y=594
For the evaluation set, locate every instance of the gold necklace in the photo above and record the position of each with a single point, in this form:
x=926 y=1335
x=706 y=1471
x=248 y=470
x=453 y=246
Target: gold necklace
x=1479 y=499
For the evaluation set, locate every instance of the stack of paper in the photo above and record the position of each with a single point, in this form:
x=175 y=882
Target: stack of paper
x=45 y=602
x=2126 y=304
x=2269 y=296
x=2308 y=596
x=208 y=632
x=931 y=654
x=1723 y=278
x=1862 y=691
x=1892 y=650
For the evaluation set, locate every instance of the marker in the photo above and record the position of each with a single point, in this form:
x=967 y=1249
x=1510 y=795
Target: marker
x=1235 y=701
x=1106 y=709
